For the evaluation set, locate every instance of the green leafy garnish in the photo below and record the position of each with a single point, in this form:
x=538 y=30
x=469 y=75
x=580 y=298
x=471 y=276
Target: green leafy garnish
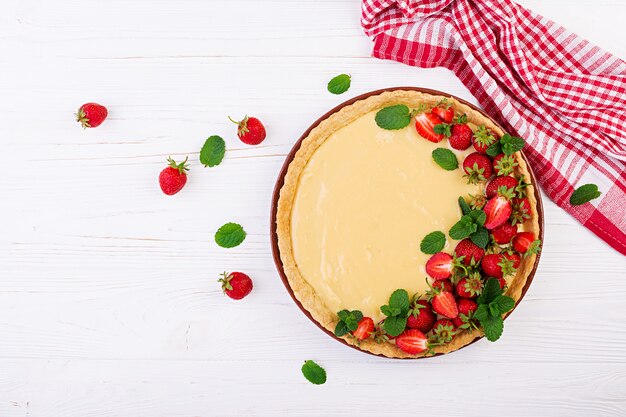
x=511 y=144
x=314 y=373
x=494 y=150
x=465 y=208
x=584 y=194
x=443 y=129
x=339 y=84
x=397 y=312
x=230 y=235
x=393 y=117
x=445 y=158
x=468 y=224
x=212 y=151
x=480 y=237
x=348 y=321
x=492 y=304
x=433 y=243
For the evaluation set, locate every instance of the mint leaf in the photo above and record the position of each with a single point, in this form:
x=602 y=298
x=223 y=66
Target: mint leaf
x=511 y=144
x=433 y=243
x=353 y=319
x=482 y=312
x=501 y=305
x=465 y=208
x=212 y=151
x=343 y=314
x=490 y=291
x=445 y=158
x=442 y=129
x=339 y=84
x=393 y=117
x=400 y=299
x=584 y=194
x=494 y=150
x=478 y=216
x=480 y=237
x=394 y=325
x=463 y=228
x=341 y=329
x=230 y=235
x=314 y=373
x=493 y=327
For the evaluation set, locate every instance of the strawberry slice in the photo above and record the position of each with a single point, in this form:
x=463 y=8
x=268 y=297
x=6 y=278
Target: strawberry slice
x=498 y=210
x=522 y=241
x=444 y=304
x=425 y=126
x=446 y=114
x=440 y=266
x=412 y=341
x=364 y=329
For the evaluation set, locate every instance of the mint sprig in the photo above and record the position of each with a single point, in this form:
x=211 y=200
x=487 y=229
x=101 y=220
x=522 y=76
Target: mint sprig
x=230 y=235
x=314 y=373
x=339 y=84
x=393 y=117
x=433 y=243
x=397 y=312
x=348 y=322
x=584 y=194
x=212 y=151
x=480 y=237
x=465 y=208
x=492 y=304
x=511 y=144
x=468 y=224
x=445 y=158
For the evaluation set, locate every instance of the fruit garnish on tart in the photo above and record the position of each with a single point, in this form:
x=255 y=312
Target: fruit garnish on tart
x=406 y=225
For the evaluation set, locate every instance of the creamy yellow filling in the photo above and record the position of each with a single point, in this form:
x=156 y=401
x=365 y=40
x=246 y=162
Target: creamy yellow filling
x=364 y=202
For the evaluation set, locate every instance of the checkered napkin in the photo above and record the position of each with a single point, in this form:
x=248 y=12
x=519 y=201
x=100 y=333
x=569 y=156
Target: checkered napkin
x=563 y=95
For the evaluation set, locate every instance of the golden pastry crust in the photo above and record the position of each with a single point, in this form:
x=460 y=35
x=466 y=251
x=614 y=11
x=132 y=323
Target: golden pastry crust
x=301 y=288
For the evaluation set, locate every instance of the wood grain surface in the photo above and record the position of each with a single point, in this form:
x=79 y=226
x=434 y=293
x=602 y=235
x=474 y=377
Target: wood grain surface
x=109 y=304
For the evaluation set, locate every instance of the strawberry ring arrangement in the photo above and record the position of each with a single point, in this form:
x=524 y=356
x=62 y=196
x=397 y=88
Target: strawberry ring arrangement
x=391 y=245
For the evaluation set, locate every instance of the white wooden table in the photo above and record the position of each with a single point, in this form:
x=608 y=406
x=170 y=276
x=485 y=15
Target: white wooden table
x=109 y=304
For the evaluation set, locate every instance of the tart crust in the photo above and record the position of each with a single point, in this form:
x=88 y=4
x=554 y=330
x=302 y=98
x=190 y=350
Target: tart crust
x=301 y=288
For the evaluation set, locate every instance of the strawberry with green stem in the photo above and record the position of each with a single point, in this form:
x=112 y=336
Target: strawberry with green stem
x=236 y=285
x=477 y=167
x=173 y=178
x=483 y=138
x=250 y=130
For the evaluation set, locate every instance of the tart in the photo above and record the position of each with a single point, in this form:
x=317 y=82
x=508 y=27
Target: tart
x=398 y=215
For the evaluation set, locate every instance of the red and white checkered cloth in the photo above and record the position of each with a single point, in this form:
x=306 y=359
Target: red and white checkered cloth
x=563 y=95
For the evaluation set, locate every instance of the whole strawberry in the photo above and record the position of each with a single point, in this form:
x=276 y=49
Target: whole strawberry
x=443 y=285
x=91 y=115
x=477 y=167
x=483 y=139
x=504 y=164
x=470 y=287
x=466 y=313
x=236 y=285
x=497 y=265
x=469 y=250
x=520 y=210
x=173 y=178
x=250 y=130
x=525 y=242
x=443 y=331
x=501 y=181
x=460 y=134
x=421 y=316
x=503 y=234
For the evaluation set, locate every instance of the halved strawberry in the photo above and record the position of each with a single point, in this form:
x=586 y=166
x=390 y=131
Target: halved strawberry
x=469 y=250
x=444 y=111
x=498 y=210
x=503 y=234
x=364 y=329
x=412 y=341
x=525 y=242
x=425 y=126
x=443 y=304
x=502 y=181
x=440 y=266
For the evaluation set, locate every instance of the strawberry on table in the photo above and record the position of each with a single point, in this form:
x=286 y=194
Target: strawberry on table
x=412 y=341
x=173 y=178
x=364 y=329
x=250 y=130
x=425 y=126
x=91 y=115
x=440 y=266
x=236 y=285
x=477 y=167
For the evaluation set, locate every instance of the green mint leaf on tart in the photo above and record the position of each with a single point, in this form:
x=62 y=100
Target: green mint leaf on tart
x=511 y=144
x=397 y=312
x=339 y=84
x=443 y=129
x=480 y=237
x=501 y=305
x=314 y=373
x=493 y=327
x=494 y=150
x=230 y=235
x=468 y=224
x=492 y=304
x=491 y=290
x=433 y=243
x=212 y=151
x=465 y=208
x=584 y=194
x=348 y=321
x=393 y=117
x=445 y=158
